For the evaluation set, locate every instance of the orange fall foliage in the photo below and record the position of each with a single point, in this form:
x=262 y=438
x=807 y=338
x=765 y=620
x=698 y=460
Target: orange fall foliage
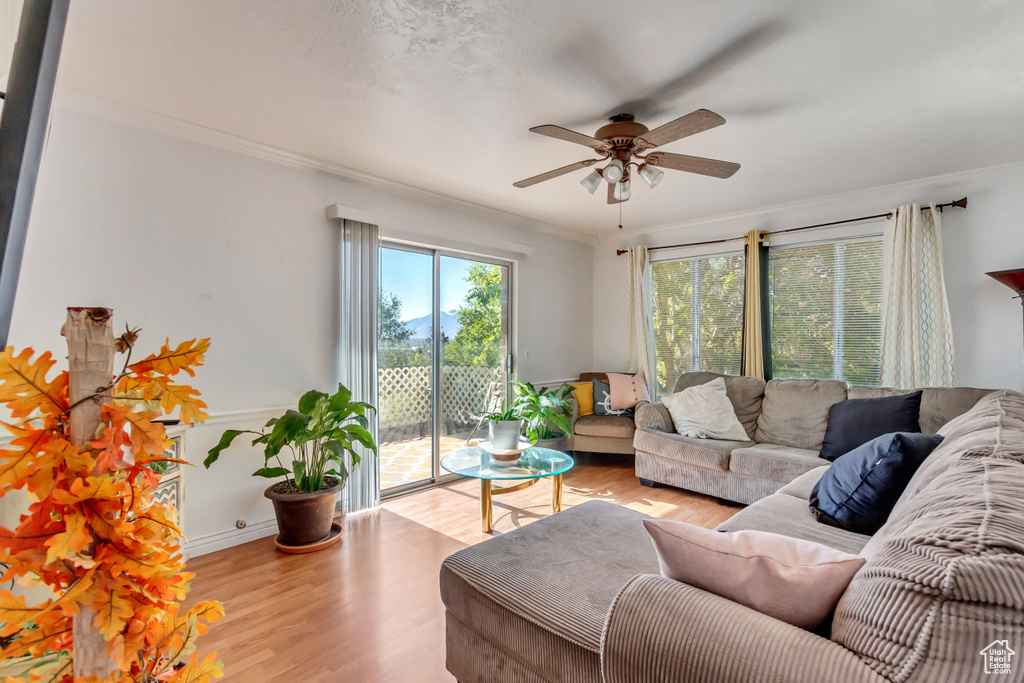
x=93 y=533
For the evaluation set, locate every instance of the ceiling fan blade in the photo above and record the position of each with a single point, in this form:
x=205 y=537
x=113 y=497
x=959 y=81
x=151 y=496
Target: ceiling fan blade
x=611 y=195
x=694 y=122
x=570 y=136
x=555 y=173
x=682 y=162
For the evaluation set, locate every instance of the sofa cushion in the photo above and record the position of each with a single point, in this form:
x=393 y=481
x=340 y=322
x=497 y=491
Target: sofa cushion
x=654 y=416
x=944 y=577
x=794 y=412
x=705 y=412
x=583 y=392
x=543 y=591
x=939 y=405
x=861 y=487
x=791 y=579
x=745 y=394
x=603 y=401
x=712 y=454
x=855 y=421
x=802 y=486
x=627 y=390
x=771 y=461
x=605 y=425
x=789 y=516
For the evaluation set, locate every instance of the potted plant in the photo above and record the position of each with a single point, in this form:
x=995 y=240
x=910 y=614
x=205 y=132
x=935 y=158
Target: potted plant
x=503 y=430
x=320 y=436
x=546 y=412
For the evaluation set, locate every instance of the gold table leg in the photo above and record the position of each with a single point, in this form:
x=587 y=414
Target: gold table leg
x=486 y=511
x=556 y=493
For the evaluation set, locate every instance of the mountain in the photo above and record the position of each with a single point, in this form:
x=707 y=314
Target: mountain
x=421 y=327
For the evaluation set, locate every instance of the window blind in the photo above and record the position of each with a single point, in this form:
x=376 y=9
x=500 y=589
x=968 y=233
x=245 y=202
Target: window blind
x=826 y=310
x=698 y=316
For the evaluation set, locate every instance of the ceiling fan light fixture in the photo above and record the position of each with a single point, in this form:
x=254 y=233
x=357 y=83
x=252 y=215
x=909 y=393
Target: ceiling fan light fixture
x=650 y=175
x=622 y=191
x=613 y=172
x=592 y=181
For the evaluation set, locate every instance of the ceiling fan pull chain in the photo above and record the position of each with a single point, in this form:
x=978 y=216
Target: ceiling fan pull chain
x=620 y=215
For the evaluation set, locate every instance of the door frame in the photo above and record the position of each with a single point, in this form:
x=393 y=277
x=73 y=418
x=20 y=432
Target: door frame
x=511 y=298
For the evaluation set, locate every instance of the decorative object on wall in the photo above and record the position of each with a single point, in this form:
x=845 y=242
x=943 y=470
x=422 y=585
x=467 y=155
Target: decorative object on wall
x=917 y=331
x=322 y=436
x=642 y=355
x=1013 y=278
x=626 y=144
x=752 y=361
x=93 y=533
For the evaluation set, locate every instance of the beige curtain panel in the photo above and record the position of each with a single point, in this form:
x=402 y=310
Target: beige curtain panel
x=917 y=332
x=752 y=362
x=642 y=355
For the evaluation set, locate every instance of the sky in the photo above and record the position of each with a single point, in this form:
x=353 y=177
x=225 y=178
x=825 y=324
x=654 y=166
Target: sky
x=409 y=276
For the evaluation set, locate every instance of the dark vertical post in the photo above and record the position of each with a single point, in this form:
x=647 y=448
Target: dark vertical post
x=23 y=127
x=766 y=309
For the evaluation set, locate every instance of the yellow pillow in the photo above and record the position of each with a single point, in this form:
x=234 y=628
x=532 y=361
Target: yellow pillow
x=584 y=393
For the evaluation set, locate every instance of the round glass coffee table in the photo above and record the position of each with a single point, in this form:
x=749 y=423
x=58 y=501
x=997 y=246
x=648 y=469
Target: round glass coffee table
x=534 y=464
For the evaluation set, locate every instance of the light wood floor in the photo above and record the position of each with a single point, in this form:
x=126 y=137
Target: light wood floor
x=369 y=611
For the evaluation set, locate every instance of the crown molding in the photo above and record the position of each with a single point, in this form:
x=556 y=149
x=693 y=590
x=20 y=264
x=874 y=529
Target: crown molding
x=866 y=193
x=191 y=132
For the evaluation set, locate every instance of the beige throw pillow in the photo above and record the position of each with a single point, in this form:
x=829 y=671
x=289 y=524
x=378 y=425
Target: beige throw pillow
x=705 y=412
x=793 y=580
x=627 y=390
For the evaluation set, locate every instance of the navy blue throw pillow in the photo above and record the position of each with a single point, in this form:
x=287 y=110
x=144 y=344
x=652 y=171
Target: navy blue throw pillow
x=856 y=421
x=860 y=489
x=603 y=401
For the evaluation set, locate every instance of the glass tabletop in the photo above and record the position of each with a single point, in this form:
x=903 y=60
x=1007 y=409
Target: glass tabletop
x=534 y=463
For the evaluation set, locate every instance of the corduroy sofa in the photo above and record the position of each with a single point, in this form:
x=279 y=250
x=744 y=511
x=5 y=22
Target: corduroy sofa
x=576 y=597
x=601 y=433
x=785 y=421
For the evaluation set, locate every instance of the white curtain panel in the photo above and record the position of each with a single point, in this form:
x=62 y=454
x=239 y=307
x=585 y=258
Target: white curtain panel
x=917 y=333
x=357 y=348
x=641 y=319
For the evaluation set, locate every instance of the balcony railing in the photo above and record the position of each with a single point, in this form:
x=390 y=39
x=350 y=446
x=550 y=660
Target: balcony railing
x=404 y=395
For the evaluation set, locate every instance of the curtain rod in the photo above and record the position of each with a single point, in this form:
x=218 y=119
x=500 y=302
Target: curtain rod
x=959 y=203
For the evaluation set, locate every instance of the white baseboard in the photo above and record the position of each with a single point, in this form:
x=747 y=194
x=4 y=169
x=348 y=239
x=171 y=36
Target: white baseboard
x=219 y=540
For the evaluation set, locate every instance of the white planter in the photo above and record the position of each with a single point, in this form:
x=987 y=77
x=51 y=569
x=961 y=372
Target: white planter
x=504 y=434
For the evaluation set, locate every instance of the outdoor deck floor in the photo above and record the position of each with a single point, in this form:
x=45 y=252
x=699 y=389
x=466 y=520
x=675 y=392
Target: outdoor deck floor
x=404 y=462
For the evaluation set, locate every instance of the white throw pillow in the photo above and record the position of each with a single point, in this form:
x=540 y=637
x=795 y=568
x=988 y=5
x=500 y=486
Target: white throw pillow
x=705 y=412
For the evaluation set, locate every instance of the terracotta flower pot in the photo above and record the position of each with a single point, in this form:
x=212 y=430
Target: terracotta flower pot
x=303 y=518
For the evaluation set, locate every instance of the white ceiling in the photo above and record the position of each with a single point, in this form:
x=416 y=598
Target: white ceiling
x=821 y=96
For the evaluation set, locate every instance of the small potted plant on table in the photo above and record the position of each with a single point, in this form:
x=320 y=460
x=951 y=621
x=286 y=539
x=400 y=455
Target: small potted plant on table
x=546 y=412
x=321 y=436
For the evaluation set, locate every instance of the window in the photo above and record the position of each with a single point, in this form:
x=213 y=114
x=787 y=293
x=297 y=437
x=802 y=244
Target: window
x=826 y=310
x=698 y=316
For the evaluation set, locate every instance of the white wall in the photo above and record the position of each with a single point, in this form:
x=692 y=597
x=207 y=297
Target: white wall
x=987 y=236
x=185 y=239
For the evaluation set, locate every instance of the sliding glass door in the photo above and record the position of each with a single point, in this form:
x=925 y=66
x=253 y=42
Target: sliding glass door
x=436 y=380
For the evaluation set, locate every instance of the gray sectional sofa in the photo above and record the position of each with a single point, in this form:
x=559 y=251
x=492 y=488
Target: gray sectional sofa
x=785 y=421
x=576 y=597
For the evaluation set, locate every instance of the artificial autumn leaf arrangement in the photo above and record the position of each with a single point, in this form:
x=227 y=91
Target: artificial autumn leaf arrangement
x=93 y=533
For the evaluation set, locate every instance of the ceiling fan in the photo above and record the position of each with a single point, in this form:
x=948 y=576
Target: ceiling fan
x=627 y=143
